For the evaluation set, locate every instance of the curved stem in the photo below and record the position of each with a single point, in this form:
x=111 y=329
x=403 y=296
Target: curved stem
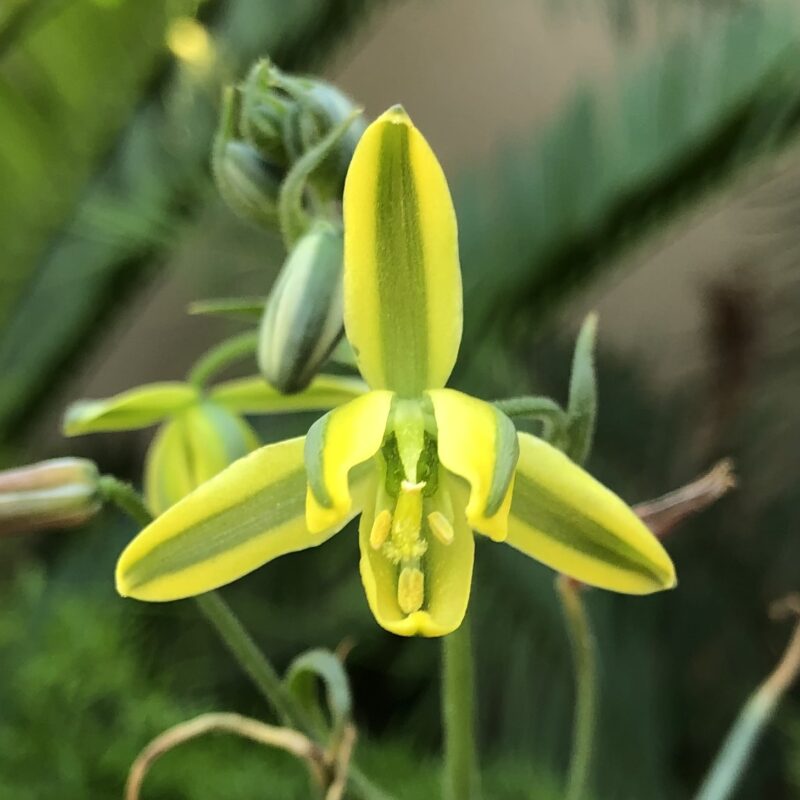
x=585 y=670
x=461 y=780
x=735 y=753
x=239 y=642
x=247 y=653
x=286 y=739
x=126 y=498
x=226 y=352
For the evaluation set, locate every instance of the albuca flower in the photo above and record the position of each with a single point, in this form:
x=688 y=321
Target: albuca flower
x=425 y=466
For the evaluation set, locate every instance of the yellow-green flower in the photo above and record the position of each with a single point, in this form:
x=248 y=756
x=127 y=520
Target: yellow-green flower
x=425 y=466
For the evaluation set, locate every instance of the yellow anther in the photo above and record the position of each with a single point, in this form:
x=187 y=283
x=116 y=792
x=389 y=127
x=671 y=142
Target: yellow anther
x=441 y=527
x=380 y=529
x=410 y=590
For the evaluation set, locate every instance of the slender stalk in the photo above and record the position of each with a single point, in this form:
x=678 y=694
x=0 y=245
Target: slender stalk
x=226 y=352
x=126 y=498
x=585 y=670
x=286 y=739
x=737 y=749
x=239 y=642
x=461 y=779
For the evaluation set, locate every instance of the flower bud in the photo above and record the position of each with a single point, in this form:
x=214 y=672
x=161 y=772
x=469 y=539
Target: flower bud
x=59 y=493
x=191 y=448
x=248 y=183
x=284 y=116
x=302 y=319
x=320 y=108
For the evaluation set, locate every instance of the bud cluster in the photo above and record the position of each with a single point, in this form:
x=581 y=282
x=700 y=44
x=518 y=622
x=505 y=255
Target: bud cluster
x=280 y=158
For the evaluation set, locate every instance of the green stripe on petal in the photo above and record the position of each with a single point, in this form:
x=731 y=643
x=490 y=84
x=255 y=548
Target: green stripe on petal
x=447 y=570
x=249 y=514
x=479 y=443
x=337 y=442
x=137 y=408
x=254 y=396
x=563 y=517
x=402 y=280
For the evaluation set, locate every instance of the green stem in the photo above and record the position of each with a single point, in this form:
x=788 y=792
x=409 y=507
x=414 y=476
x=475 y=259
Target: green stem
x=126 y=498
x=248 y=655
x=585 y=670
x=226 y=352
x=239 y=642
x=461 y=779
x=737 y=749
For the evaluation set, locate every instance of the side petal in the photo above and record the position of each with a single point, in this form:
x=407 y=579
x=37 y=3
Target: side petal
x=447 y=569
x=563 y=517
x=479 y=443
x=247 y=515
x=254 y=396
x=402 y=280
x=137 y=408
x=337 y=442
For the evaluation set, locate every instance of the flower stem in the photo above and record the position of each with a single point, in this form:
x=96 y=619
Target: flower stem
x=737 y=749
x=226 y=352
x=461 y=779
x=239 y=642
x=585 y=670
x=126 y=498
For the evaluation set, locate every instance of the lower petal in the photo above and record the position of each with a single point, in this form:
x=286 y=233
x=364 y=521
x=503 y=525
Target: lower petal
x=447 y=571
x=561 y=516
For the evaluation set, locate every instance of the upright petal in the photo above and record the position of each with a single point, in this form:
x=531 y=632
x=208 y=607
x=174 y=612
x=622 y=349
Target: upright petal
x=479 y=443
x=247 y=515
x=402 y=280
x=447 y=570
x=137 y=408
x=566 y=519
x=337 y=442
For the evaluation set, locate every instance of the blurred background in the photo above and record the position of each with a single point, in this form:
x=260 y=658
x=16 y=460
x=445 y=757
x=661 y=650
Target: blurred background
x=633 y=156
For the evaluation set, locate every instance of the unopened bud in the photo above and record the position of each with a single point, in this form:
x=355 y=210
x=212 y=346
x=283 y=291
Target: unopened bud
x=59 y=493
x=247 y=182
x=302 y=319
x=285 y=115
x=320 y=108
x=191 y=448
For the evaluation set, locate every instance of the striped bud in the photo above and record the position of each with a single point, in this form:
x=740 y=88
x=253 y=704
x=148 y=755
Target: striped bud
x=302 y=319
x=192 y=447
x=59 y=493
x=320 y=108
x=248 y=184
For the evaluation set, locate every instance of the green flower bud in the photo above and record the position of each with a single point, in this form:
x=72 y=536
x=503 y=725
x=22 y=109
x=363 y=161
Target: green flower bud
x=248 y=182
x=192 y=447
x=284 y=116
x=302 y=319
x=59 y=493
x=320 y=108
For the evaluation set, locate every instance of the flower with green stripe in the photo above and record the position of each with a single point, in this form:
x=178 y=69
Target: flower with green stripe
x=424 y=465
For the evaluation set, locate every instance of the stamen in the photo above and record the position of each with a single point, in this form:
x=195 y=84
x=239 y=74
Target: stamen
x=381 y=527
x=410 y=590
x=441 y=527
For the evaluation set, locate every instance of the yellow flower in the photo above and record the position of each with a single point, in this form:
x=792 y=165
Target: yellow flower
x=424 y=465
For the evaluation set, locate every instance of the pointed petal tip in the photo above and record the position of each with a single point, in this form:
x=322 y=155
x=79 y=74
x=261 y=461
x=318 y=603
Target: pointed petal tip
x=396 y=114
